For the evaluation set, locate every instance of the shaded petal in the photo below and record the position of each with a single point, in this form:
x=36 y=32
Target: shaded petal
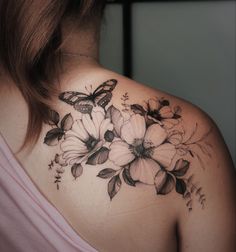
x=164 y=182
x=163 y=154
x=70 y=154
x=78 y=130
x=73 y=144
x=120 y=153
x=166 y=112
x=133 y=129
x=92 y=122
x=175 y=138
x=97 y=116
x=154 y=136
x=169 y=123
x=73 y=156
x=153 y=104
x=90 y=126
x=144 y=170
x=75 y=160
x=105 y=125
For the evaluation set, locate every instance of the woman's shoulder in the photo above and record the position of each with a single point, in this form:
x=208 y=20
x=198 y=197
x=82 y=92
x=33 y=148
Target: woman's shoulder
x=195 y=162
x=146 y=96
x=120 y=153
x=140 y=127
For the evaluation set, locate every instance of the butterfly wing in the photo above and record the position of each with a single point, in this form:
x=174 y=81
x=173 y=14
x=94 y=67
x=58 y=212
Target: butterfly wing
x=72 y=97
x=81 y=101
x=103 y=93
x=84 y=103
x=106 y=86
x=84 y=106
x=103 y=99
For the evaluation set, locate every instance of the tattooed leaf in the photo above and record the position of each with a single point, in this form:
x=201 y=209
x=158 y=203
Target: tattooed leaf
x=60 y=170
x=106 y=173
x=177 y=111
x=180 y=186
x=53 y=136
x=164 y=182
x=99 y=157
x=76 y=170
x=116 y=118
x=54 y=117
x=67 y=122
x=127 y=177
x=138 y=109
x=176 y=116
x=59 y=160
x=114 y=186
x=181 y=167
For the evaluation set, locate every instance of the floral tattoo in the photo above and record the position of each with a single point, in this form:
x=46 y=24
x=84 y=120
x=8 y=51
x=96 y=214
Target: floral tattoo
x=147 y=146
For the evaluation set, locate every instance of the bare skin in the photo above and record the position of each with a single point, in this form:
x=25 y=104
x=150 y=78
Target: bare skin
x=144 y=217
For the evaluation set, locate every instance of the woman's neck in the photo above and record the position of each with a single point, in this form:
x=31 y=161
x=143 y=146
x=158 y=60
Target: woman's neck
x=80 y=41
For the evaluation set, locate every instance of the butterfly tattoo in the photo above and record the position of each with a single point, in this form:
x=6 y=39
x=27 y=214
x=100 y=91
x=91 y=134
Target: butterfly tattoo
x=84 y=103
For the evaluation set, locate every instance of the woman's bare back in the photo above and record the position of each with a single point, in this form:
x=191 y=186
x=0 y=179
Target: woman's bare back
x=129 y=167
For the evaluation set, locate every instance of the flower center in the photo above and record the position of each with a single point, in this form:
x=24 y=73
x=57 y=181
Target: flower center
x=91 y=143
x=138 y=149
x=155 y=114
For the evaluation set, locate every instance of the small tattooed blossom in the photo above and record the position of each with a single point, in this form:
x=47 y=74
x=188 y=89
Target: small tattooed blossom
x=86 y=136
x=158 y=111
x=144 y=150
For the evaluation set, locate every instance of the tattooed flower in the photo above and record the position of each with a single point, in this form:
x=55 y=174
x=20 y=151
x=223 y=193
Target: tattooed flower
x=158 y=111
x=144 y=150
x=86 y=136
x=175 y=137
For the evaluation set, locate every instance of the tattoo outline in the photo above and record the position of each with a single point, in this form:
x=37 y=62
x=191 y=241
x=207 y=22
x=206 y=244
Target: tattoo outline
x=143 y=146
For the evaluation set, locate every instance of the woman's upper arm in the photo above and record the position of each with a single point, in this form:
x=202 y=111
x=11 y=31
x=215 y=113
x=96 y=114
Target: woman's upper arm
x=211 y=227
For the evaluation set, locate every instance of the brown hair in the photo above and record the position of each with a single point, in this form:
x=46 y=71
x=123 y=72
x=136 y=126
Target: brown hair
x=30 y=40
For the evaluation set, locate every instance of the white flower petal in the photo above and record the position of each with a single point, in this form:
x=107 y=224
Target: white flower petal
x=97 y=117
x=71 y=156
x=175 y=138
x=155 y=135
x=73 y=144
x=169 y=123
x=77 y=131
x=164 y=154
x=92 y=122
x=74 y=160
x=105 y=125
x=166 y=112
x=120 y=153
x=133 y=129
x=144 y=170
x=153 y=104
x=90 y=126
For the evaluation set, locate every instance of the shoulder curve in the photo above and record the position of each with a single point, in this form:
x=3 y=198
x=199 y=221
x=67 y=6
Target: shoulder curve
x=143 y=127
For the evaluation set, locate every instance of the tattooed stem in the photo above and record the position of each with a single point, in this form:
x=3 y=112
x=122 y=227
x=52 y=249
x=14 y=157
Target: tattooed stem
x=193 y=188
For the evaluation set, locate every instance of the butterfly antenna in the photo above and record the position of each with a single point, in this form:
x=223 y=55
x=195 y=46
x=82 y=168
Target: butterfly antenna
x=89 y=90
